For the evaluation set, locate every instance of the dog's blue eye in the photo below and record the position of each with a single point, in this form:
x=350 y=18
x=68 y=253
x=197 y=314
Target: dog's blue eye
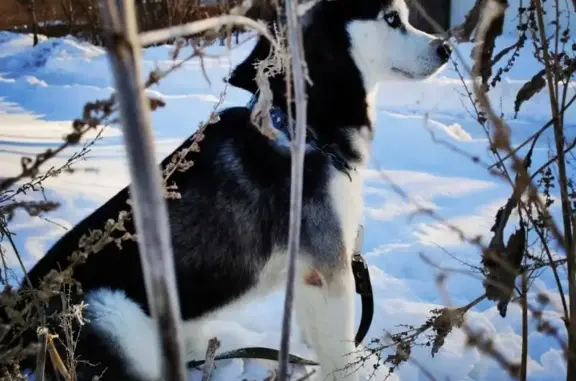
x=393 y=19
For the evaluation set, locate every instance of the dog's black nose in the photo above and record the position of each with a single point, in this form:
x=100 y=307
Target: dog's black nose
x=444 y=51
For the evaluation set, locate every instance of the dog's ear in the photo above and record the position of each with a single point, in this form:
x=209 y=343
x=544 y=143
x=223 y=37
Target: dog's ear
x=244 y=75
x=261 y=10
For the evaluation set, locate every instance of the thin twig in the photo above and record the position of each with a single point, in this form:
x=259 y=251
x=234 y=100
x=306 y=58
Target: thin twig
x=31 y=167
x=213 y=345
x=212 y=23
x=524 y=305
x=553 y=159
x=534 y=135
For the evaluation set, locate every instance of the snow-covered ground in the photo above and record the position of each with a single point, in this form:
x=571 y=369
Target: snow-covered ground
x=43 y=88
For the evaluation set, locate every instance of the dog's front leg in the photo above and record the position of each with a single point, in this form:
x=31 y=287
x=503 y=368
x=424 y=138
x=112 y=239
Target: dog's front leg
x=325 y=312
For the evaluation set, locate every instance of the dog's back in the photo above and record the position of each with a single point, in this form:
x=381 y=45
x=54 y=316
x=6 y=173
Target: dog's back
x=232 y=214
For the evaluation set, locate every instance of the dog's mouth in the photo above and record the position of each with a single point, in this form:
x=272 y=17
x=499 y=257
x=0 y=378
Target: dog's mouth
x=403 y=73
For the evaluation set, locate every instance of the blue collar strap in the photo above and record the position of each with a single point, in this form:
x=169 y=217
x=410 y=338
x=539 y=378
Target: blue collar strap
x=280 y=123
x=277 y=116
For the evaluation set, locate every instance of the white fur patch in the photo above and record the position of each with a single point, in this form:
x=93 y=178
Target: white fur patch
x=326 y=317
x=346 y=194
x=382 y=52
x=134 y=335
x=371 y=101
x=128 y=328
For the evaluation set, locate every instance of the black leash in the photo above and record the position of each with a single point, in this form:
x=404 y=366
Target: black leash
x=363 y=287
x=359 y=270
x=260 y=353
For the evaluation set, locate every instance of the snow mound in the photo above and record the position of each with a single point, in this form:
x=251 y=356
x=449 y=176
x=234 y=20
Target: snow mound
x=46 y=51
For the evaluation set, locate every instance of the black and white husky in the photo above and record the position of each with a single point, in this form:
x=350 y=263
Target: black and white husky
x=230 y=227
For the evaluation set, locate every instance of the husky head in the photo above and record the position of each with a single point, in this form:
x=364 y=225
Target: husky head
x=383 y=44
x=371 y=37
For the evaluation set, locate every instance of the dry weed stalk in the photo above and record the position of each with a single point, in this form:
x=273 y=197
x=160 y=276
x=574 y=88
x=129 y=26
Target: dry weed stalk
x=501 y=140
x=273 y=65
x=525 y=93
x=294 y=76
x=494 y=11
x=92 y=115
x=504 y=263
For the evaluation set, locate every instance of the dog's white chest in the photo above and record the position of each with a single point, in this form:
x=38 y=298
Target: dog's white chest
x=346 y=195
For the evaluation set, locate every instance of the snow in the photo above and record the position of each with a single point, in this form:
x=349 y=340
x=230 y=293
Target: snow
x=43 y=88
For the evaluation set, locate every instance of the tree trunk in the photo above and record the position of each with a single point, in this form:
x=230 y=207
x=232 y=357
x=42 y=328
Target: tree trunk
x=32 y=11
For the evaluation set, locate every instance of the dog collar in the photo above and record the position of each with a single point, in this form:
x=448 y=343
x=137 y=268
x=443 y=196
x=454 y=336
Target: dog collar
x=280 y=123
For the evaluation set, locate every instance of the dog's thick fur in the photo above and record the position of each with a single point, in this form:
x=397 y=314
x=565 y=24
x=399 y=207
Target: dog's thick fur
x=230 y=228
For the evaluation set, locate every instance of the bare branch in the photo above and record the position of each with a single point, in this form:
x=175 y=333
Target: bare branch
x=212 y=23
